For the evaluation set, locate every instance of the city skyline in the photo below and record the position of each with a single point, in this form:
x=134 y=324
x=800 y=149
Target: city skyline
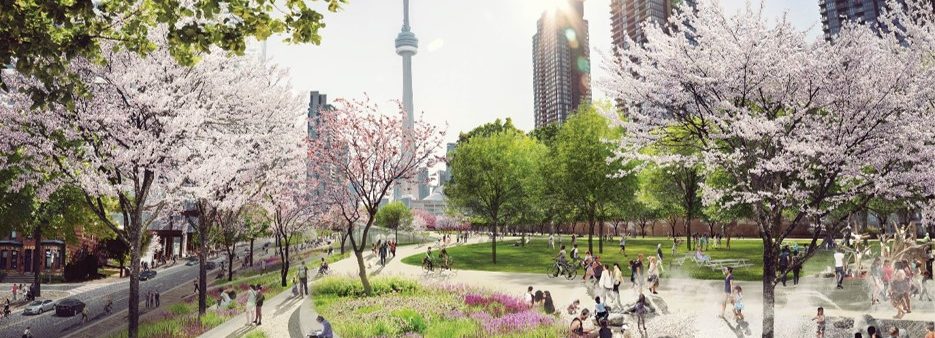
x=474 y=61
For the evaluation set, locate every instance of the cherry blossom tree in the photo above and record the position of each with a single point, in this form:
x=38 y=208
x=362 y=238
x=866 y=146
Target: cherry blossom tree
x=367 y=154
x=803 y=129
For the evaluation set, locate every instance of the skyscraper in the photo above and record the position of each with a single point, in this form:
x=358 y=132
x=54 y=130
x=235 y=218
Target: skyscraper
x=626 y=17
x=561 y=63
x=835 y=12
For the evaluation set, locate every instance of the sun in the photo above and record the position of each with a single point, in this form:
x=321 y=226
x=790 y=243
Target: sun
x=540 y=6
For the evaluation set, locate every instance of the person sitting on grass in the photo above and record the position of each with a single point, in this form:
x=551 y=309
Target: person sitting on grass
x=577 y=325
x=573 y=307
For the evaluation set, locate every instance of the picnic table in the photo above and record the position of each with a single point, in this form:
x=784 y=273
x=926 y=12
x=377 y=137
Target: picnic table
x=714 y=264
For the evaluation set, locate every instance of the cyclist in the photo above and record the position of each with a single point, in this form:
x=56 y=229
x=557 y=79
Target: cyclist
x=323 y=268
x=443 y=256
x=562 y=262
x=429 y=259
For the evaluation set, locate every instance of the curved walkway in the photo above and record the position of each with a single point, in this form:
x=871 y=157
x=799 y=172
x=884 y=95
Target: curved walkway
x=689 y=307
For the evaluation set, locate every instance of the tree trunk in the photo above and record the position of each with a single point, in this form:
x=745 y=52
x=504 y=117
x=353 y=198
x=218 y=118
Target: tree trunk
x=396 y=234
x=230 y=263
x=600 y=238
x=344 y=239
x=688 y=227
x=591 y=234
x=362 y=270
x=769 y=287
x=202 y=260
x=251 y=251
x=37 y=256
x=493 y=253
x=134 y=233
x=284 y=267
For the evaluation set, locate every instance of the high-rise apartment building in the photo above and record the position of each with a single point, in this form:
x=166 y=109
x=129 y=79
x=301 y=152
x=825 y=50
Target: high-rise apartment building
x=627 y=17
x=835 y=12
x=561 y=63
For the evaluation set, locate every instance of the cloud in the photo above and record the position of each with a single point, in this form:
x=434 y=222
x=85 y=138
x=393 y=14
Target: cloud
x=436 y=44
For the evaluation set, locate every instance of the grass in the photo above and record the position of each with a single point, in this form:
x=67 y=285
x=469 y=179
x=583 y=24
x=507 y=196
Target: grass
x=404 y=307
x=536 y=257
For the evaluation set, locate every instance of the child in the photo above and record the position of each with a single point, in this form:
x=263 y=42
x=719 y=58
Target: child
x=820 y=320
x=573 y=307
x=738 y=303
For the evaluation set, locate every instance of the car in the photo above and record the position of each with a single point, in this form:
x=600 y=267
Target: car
x=69 y=307
x=148 y=274
x=210 y=265
x=38 y=307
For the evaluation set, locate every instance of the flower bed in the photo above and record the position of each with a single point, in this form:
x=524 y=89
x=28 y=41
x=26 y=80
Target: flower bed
x=403 y=307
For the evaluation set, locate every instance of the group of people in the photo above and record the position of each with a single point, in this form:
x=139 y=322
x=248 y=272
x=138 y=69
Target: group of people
x=897 y=281
x=384 y=248
x=254 y=306
x=540 y=298
x=152 y=298
x=443 y=261
x=18 y=290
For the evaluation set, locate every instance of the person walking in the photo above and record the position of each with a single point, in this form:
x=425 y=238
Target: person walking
x=618 y=278
x=606 y=282
x=84 y=315
x=623 y=245
x=383 y=253
x=728 y=288
x=876 y=281
x=303 y=280
x=260 y=297
x=27 y=333
x=156 y=297
x=784 y=263
x=640 y=309
x=13 y=290
x=820 y=323
x=638 y=272
x=653 y=272
x=738 y=303
x=839 y=268
x=796 y=269
x=251 y=304
x=551 y=241
x=659 y=252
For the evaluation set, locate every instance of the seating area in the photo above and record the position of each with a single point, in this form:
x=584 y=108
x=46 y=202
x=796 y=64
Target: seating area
x=714 y=264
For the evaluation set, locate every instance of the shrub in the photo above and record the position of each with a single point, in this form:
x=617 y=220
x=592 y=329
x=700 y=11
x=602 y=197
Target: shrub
x=211 y=319
x=183 y=308
x=412 y=320
x=352 y=287
x=457 y=328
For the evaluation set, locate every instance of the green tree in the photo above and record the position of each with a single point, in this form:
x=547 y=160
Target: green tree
x=587 y=170
x=488 y=129
x=59 y=214
x=394 y=215
x=494 y=173
x=41 y=37
x=256 y=224
x=675 y=189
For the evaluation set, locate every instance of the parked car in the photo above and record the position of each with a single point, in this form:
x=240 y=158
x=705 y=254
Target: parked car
x=69 y=307
x=210 y=265
x=148 y=274
x=38 y=307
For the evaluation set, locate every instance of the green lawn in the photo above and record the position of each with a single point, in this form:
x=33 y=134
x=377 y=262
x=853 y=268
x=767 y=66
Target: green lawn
x=536 y=257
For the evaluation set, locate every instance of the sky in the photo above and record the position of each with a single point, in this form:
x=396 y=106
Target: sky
x=475 y=57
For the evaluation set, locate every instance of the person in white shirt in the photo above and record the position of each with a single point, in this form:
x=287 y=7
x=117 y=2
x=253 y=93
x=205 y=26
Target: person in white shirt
x=551 y=241
x=839 y=268
x=529 y=296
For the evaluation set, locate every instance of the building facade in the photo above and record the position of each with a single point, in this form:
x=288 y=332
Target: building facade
x=835 y=12
x=627 y=17
x=561 y=63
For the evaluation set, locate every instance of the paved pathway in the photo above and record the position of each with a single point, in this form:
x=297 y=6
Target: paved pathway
x=689 y=307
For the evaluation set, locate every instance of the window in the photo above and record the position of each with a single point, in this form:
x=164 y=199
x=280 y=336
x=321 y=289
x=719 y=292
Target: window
x=3 y=256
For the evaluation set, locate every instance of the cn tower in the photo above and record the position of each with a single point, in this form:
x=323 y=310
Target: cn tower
x=406 y=46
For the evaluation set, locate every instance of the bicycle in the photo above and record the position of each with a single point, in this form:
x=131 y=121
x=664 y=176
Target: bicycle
x=428 y=265
x=570 y=271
